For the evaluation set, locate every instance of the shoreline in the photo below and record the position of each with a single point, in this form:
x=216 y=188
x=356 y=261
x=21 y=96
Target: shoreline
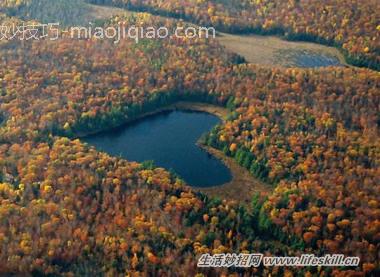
x=242 y=186
x=220 y=112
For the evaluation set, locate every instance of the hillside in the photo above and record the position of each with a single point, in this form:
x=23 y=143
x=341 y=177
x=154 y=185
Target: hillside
x=67 y=209
x=352 y=25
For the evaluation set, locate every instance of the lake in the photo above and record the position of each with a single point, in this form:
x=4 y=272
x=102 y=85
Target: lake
x=169 y=139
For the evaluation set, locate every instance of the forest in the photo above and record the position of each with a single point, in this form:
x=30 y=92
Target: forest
x=312 y=134
x=350 y=25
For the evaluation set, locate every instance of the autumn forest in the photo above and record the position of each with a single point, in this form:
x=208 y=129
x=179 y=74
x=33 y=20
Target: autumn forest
x=311 y=135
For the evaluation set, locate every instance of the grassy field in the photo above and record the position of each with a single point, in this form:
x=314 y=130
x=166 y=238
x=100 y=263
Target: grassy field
x=266 y=49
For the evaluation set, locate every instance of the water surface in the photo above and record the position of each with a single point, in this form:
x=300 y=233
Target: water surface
x=169 y=139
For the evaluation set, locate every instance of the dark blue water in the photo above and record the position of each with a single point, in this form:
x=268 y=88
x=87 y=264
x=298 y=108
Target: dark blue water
x=169 y=139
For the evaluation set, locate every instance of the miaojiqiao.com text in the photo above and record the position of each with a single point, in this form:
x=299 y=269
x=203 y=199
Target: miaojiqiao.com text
x=51 y=31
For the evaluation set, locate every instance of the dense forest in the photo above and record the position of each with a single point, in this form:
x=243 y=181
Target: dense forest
x=66 y=12
x=312 y=134
x=351 y=25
